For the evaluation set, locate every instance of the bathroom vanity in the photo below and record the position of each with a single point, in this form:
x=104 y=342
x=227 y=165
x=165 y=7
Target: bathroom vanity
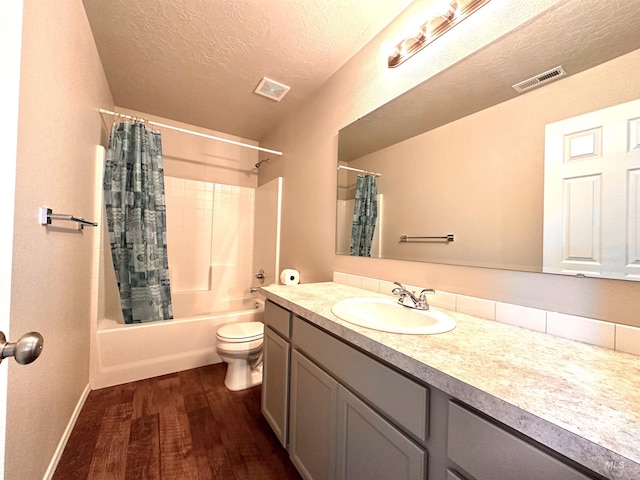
x=486 y=401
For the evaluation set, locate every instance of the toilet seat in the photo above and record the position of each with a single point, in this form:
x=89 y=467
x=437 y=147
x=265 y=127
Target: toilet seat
x=239 y=347
x=241 y=332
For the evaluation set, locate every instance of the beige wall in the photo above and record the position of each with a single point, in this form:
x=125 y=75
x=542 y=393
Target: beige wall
x=62 y=87
x=309 y=142
x=487 y=189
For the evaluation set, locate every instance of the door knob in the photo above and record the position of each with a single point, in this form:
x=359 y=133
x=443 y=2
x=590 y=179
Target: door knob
x=25 y=350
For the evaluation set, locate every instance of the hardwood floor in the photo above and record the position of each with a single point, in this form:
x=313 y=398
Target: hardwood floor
x=185 y=425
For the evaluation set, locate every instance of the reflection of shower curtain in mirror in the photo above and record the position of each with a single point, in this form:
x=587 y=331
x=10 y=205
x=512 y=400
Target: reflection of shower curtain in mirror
x=136 y=219
x=365 y=212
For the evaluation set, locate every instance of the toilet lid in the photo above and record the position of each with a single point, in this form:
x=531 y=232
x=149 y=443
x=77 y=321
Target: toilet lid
x=241 y=331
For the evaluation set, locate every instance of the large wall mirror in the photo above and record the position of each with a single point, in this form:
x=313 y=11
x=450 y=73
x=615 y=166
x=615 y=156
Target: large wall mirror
x=464 y=153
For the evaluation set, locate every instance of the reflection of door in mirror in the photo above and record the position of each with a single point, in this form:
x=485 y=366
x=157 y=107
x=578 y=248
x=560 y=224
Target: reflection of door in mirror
x=592 y=195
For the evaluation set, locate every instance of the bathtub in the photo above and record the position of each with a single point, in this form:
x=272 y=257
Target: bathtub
x=125 y=353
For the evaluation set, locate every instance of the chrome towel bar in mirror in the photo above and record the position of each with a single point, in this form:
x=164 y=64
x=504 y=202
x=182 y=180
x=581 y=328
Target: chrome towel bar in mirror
x=447 y=238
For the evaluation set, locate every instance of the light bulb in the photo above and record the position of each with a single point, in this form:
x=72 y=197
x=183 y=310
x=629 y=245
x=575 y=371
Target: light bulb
x=413 y=29
x=443 y=8
x=388 y=49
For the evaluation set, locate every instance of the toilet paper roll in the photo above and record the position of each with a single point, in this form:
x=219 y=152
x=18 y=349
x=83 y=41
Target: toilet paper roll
x=289 y=276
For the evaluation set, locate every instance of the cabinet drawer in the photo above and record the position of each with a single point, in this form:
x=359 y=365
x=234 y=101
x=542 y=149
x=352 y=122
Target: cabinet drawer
x=277 y=318
x=396 y=396
x=490 y=453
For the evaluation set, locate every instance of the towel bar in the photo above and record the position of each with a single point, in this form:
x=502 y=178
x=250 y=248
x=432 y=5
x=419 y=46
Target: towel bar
x=46 y=215
x=406 y=238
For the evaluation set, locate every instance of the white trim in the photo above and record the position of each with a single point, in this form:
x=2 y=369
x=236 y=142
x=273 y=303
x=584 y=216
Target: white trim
x=48 y=475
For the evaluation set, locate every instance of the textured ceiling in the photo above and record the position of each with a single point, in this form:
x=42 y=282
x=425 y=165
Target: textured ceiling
x=199 y=61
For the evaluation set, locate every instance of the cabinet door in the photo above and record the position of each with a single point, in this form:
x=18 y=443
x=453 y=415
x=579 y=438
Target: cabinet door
x=370 y=447
x=314 y=396
x=275 y=383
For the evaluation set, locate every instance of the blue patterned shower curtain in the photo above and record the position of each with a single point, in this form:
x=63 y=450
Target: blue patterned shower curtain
x=136 y=219
x=365 y=212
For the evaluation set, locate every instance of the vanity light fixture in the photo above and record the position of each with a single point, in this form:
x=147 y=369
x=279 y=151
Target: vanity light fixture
x=444 y=16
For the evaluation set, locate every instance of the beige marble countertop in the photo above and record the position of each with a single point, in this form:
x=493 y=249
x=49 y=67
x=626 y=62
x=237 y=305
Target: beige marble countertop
x=580 y=400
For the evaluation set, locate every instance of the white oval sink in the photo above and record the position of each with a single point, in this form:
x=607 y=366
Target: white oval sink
x=388 y=316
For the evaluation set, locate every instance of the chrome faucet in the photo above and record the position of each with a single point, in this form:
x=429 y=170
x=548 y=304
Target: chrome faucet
x=419 y=302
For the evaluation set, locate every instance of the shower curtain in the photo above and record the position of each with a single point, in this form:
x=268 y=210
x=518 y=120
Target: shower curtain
x=365 y=212
x=136 y=220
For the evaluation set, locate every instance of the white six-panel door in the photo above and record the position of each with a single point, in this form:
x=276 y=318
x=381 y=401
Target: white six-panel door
x=592 y=194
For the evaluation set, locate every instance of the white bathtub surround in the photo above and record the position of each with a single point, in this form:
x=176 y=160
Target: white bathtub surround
x=126 y=353
x=199 y=304
x=580 y=400
x=210 y=255
x=210 y=242
x=620 y=337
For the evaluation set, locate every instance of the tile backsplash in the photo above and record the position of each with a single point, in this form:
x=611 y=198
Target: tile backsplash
x=596 y=332
x=582 y=329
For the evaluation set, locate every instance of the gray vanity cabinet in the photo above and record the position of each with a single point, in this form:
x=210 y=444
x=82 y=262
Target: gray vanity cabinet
x=313 y=414
x=335 y=434
x=351 y=416
x=275 y=373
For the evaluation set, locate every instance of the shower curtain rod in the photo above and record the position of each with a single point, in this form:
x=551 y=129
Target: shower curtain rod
x=190 y=132
x=344 y=167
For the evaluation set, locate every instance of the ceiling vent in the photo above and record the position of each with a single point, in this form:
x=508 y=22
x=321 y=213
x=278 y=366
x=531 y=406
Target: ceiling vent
x=540 y=79
x=271 y=89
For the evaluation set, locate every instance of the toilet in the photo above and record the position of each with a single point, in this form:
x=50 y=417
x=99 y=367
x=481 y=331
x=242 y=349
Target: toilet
x=240 y=346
